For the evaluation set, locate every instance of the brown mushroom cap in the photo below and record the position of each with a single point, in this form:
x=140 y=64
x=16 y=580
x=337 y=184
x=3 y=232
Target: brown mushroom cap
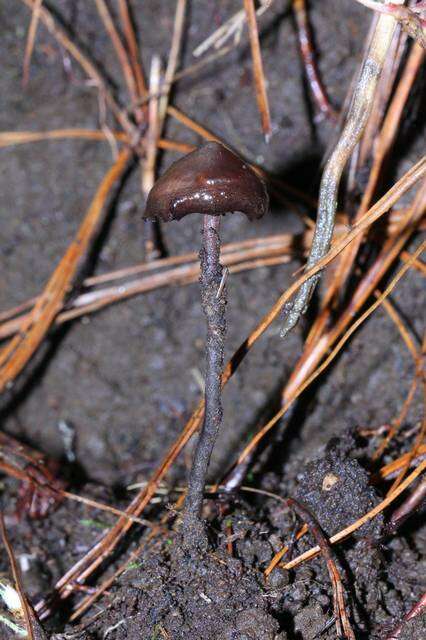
x=211 y=180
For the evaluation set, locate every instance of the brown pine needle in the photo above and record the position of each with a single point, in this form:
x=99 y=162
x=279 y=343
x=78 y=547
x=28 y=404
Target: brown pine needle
x=389 y=469
x=34 y=630
x=398 y=321
x=258 y=74
x=308 y=56
x=175 y=271
x=396 y=423
x=418 y=609
x=173 y=60
x=133 y=47
x=10 y=138
x=343 y=626
x=410 y=505
x=414 y=451
x=319 y=339
x=244 y=252
x=119 y=49
x=89 y=68
x=280 y=554
x=35 y=16
x=418 y=264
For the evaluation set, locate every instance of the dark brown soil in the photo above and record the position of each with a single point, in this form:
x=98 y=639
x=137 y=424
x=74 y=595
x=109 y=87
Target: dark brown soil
x=124 y=378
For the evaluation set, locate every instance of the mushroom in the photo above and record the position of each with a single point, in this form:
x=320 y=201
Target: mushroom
x=211 y=181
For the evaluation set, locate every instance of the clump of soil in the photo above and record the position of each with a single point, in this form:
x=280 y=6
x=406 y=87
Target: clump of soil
x=337 y=490
x=180 y=595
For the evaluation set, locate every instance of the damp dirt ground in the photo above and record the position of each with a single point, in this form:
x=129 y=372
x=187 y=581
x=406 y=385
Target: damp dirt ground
x=126 y=379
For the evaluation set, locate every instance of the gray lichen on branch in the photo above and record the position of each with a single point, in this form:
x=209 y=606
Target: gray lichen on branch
x=358 y=115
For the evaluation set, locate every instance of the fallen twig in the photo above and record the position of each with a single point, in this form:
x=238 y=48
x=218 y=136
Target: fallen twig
x=357 y=118
x=33 y=626
x=30 y=41
x=133 y=47
x=258 y=73
x=343 y=626
x=121 y=52
x=59 y=33
x=308 y=57
x=275 y=252
x=409 y=506
x=418 y=609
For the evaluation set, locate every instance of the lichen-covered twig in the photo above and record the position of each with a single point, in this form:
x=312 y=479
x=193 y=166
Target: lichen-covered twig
x=412 y=19
x=356 y=121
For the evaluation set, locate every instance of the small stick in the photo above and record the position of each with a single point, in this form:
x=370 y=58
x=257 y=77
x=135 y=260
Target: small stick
x=343 y=626
x=308 y=57
x=357 y=118
x=59 y=33
x=33 y=626
x=418 y=608
x=157 y=115
x=412 y=19
x=409 y=506
x=30 y=41
x=121 y=52
x=258 y=73
x=152 y=231
x=384 y=143
x=135 y=61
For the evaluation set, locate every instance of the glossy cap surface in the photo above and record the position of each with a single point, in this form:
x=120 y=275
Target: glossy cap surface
x=211 y=180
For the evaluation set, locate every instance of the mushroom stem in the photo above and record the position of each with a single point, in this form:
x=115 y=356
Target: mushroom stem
x=213 y=300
